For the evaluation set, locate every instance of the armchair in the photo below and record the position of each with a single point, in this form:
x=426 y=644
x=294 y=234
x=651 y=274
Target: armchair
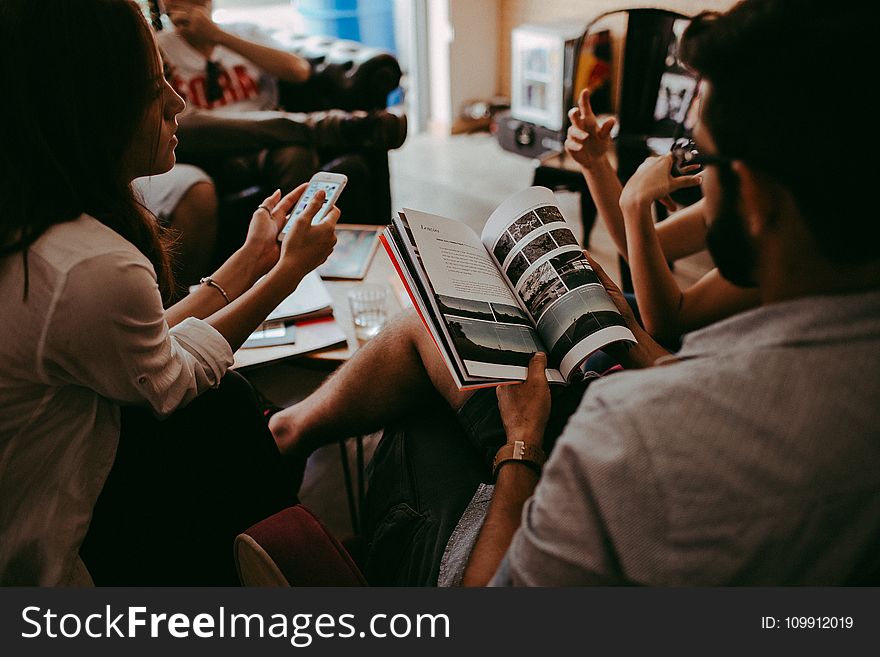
x=345 y=75
x=293 y=548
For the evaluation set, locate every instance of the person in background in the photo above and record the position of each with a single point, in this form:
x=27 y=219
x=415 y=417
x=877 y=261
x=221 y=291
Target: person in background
x=666 y=311
x=229 y=77
x=96 y=378
x=184 y=201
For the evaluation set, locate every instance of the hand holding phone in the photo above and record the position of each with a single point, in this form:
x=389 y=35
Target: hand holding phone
x=331 y=184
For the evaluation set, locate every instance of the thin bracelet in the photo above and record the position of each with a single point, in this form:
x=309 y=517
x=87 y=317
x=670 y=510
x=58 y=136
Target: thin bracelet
x=210 y=281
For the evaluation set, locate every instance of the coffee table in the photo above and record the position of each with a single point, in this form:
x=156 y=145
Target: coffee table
x=381 y=272
x=312 y=337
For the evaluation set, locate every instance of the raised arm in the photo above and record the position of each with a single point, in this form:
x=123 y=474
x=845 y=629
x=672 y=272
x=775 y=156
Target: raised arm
x=195 y=24
x=657 y=292
x=587 y=142
x=668 y=311
x=238 y=274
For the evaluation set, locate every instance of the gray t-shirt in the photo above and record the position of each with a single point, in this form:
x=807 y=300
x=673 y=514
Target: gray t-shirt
x=754 y=460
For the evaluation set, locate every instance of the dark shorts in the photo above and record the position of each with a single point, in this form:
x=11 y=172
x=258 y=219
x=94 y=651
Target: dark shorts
x=425 y=472
x=481 y=419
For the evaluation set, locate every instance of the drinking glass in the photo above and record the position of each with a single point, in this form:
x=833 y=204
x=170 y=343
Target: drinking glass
x=368 y=310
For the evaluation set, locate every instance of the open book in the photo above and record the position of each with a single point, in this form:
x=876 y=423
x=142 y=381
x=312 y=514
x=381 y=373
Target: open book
x=490 y=301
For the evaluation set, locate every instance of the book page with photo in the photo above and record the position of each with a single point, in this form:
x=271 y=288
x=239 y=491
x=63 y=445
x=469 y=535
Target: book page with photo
x=487 y=332
x=538 y=254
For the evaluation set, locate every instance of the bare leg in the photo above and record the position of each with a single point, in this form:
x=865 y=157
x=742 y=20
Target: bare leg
x=387 y=378
x=194 y=223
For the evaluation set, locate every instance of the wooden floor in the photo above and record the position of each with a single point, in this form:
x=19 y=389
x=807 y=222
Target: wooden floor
x=463 y=177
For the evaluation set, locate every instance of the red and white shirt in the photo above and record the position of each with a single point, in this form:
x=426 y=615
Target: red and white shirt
x=245 y=86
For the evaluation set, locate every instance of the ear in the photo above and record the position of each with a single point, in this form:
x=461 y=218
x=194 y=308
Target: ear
x=760 y=198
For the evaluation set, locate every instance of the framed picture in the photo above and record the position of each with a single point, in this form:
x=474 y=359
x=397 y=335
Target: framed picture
x=355 y=246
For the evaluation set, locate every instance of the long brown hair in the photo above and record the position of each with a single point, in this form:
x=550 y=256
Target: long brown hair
x=79 y=77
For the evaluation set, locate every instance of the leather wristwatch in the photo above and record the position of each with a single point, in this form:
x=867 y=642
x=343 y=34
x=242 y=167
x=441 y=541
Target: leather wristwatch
x=519 y=451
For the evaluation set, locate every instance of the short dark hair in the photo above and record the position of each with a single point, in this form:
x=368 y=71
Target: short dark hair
x=79 y=77
x=788 y=85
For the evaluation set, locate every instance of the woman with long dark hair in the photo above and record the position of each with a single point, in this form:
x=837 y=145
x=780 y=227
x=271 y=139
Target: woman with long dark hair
x=89 y=357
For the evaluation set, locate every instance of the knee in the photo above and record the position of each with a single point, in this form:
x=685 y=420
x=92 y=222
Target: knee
x=196 y=213
x=412 y=331
x=200 y=200
x=405 y=331
x=290 y=166
x=294 y=157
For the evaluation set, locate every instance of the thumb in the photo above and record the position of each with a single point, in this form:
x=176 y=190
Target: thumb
x=604 y=278
x=668 y=203
x=303 y=222
x=606 y=128
x=537 y=365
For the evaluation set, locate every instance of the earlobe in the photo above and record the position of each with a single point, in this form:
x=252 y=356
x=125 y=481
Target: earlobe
x=758 y=198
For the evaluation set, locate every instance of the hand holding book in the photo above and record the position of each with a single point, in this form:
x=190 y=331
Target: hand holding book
x=646 y=351
x=491 y=301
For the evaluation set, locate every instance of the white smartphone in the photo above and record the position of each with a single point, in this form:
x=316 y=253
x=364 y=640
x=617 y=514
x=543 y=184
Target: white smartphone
x=331 y=183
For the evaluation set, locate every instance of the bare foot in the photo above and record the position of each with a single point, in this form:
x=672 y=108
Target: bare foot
x=287 y=433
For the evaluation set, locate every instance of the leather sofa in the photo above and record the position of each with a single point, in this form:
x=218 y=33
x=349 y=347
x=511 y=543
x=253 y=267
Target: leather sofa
x=345 y=75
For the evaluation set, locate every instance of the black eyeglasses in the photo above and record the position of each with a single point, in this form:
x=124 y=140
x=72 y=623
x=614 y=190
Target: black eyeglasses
x=213 y=89
x=685 y=153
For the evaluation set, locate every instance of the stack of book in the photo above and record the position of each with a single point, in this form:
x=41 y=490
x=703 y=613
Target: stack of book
x=302 y=323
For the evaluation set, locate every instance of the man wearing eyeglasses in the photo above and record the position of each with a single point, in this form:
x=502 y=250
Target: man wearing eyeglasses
x=752 y=457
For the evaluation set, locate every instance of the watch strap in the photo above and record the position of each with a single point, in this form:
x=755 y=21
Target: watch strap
x=519 y=451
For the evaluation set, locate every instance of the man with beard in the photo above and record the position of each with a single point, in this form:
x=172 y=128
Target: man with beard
x=751 y=457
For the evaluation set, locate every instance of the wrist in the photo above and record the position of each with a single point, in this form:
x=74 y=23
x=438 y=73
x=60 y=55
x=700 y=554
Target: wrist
x=286 y=275
x=597 y=164
x=644 y=353
x=533 y=436
x=218 y=37
x=631 y=200
x=248 y=266
x=634 y=205
x=516 y=451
